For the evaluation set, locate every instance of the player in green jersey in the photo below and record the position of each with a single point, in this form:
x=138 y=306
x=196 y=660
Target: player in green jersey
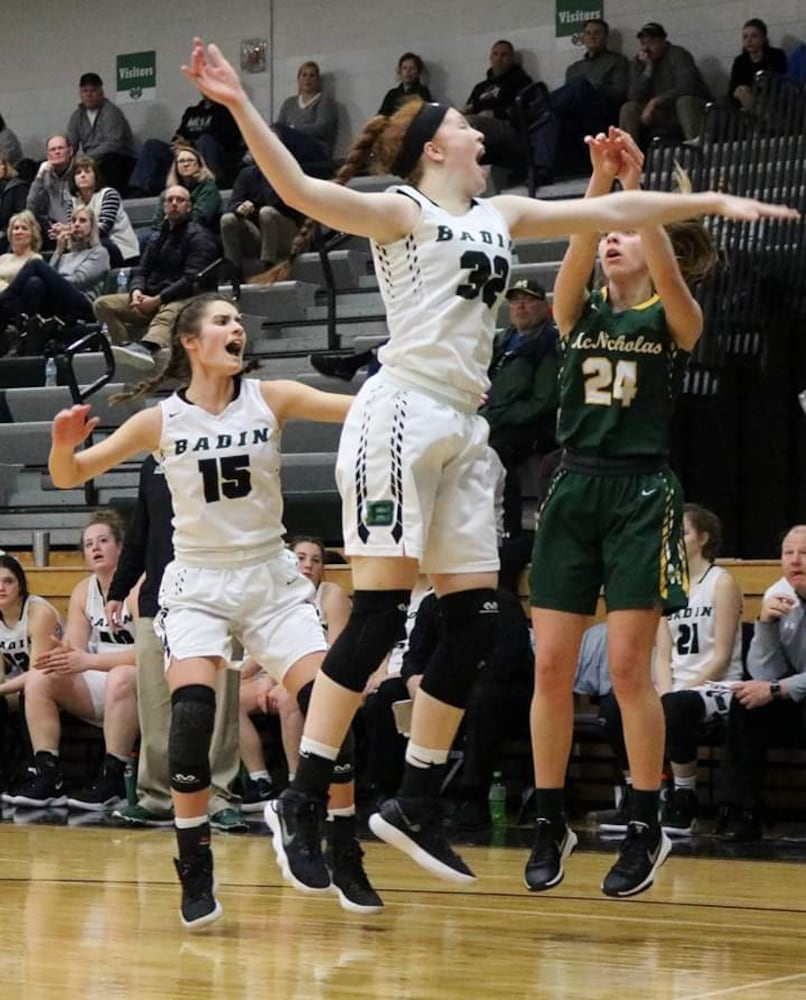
x=613 y=515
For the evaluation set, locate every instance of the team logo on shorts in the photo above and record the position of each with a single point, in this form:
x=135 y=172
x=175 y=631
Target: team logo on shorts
x=380 y=513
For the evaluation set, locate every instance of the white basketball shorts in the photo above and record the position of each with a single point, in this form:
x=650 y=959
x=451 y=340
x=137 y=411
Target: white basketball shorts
x=267 y=607
x=416 y=480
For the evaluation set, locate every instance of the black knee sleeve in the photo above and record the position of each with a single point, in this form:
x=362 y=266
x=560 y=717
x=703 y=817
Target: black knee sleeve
x=192 y=721
x=344 y=768
x=304 y=697
x=468 y=633
x=683 y=710
x=377 y=621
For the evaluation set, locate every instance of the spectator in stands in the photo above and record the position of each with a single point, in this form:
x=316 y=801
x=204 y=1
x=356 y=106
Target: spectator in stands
x=25 y=239
x=190 y=170
x=98 y=128
x=13 y=195
x=698 y=660
x=667 y=93
x=490 y=107
x=595 y=88
x=257 y=228
x=166 y=277
x=63 y=287
x=521 y=404
x=757 y=56
x=208 y=128
x=115 y=230
x=310 y=113
x=49 y=197
x=91 y=674
x=768 y=709
x=29 y=625
x=410 y=71
x=147 y=549
x=10 y=148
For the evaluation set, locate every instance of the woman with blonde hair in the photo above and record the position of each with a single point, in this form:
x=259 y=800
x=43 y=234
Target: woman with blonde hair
x=63 y=287
x=309 y=112
x=191 y=172
x=25 y=240
x=114 y=225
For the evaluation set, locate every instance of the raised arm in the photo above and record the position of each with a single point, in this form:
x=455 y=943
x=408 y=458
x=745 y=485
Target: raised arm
x=72 y=427
x=382 y=217
x=571 y=284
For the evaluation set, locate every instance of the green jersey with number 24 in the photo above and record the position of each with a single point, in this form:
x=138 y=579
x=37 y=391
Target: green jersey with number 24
x=619 y=376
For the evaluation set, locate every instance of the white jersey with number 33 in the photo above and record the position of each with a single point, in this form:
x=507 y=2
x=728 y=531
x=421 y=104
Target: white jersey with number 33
x=442 y=285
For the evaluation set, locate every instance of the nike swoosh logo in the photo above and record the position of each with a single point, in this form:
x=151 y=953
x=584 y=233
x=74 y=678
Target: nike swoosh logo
x=647 y=493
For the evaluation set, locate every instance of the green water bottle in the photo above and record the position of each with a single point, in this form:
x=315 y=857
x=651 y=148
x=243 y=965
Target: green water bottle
x=498 y=800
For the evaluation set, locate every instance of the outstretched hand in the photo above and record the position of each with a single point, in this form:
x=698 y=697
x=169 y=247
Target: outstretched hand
x=71 y=427
x=213 y=75
x=750 y=210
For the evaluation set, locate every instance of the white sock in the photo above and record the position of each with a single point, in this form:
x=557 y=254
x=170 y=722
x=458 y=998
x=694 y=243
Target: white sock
x=346 y=811
x=424 y=757
x=308 y=746
x=183 y=823
x=257 y=775
x=690 y=783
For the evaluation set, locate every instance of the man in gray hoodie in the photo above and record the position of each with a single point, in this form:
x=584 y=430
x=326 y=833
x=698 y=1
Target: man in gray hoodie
x=769 y=709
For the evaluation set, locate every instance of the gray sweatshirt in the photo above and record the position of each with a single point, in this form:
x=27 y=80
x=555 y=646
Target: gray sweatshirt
x=86 y=269
x=778 y=650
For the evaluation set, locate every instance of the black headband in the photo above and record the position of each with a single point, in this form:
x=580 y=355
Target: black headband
x=423 y=126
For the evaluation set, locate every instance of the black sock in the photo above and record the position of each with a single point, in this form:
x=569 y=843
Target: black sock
x=645 y=807
x=44 y=758
x=193 y=840
x=314 y=775
x=550 y=803
x=422 y=782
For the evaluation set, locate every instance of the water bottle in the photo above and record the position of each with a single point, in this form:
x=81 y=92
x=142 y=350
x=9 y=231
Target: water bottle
x=123 y=283
x=498 y=800
x=51 y=371
x=130 y=778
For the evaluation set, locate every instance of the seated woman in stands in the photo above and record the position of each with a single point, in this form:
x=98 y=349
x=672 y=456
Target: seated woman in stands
x=259 y=693
x=115 y=229
x=90 y=673
x=13 y=193
x=63 y=288
x=190 y=170
x=757 y=55
x=308 y=115
x=29 y=625
x=25 y=239
x=410 y=70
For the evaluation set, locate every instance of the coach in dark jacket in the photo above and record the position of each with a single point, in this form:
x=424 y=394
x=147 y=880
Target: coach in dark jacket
x=167 y=276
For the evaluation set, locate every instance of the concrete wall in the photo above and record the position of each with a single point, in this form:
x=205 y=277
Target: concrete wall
x=357 y=43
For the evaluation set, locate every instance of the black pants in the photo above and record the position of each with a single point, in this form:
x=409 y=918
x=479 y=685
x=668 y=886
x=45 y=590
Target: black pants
x=495 y=712
x=513 y=446
x=684 y=711
x=750 y=732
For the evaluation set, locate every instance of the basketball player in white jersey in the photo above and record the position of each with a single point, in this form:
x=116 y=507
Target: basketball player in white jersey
x=413 y=460
x=90 y=674
x=29 y=625
x=218 y=440
x=699 y=659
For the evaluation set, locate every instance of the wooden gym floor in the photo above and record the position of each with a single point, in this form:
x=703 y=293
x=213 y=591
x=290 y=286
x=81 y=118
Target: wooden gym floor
x=91 y=912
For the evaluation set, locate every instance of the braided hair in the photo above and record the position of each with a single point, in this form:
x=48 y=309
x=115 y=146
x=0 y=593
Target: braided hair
x=376 y=149
x=177 y=367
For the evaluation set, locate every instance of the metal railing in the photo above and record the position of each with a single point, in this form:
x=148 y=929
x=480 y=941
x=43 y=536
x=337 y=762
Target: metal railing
x=757 y=153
